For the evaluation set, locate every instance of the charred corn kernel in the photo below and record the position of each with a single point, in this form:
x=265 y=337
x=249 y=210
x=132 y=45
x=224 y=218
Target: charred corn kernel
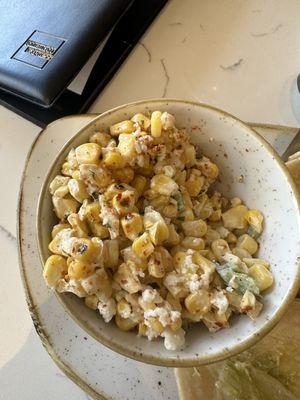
x=62 y=191
x=216 y=215
x=156 y=125
x=125 y=324
x=163 y=184
x=55 y=268
x=142 y=330
x=173 y=238
x=155 y=325
x=124 y=175
x=158 y=232
x=94 y=175
x=122 y=127
x=64 y=207
x=175 y=303
x=209 y=169
x=262 y=276
x=111 y=253
x=194 y=185
x=123 y=308
x=255 y=220
x=132 y=225
x=220 y=248
x=235 y=217
x=128 y=280
x=231 y=238
x=251 y=261
x=78 y=190
x=159 y=262
x=194 y=243
x=241 y=253
x=248 y=243
x=187 y=214
x=114 y=160
x=170 y=211
x=143 y=121
x=198 y=302
x=88 y=153
x=80 y=227
x=78 y=269
x=143 y=246
x=57 y=228
x=57 y=182
x=126 y=146
x=101 y=138
x=91 y=301
x=124 y=202
x=197 y=228
x=139 y=183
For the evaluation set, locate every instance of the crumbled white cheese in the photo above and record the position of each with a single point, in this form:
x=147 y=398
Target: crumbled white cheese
x=219 y=300
x=167 y=120
x=107 y=309
x=235 y=262
x=151 y=295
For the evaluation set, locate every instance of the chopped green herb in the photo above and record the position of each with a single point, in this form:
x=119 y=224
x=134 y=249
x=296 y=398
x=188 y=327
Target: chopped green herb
x=180 y=202
x=253 y=233
x=95 y=195
x=242 y=281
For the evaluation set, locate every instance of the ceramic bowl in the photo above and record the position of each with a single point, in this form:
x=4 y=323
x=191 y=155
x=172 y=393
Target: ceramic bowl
x=251 y=170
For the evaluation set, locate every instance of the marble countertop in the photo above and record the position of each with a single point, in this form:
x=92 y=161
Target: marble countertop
x=239 y=55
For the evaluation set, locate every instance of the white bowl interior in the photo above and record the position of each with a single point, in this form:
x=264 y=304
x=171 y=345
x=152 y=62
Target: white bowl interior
x=266 y=186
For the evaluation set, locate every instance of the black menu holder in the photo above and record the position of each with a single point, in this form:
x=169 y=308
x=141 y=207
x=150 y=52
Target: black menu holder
x=121 y=41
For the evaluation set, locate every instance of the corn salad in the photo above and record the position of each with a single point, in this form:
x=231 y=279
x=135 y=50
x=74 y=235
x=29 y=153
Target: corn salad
x=144 y=239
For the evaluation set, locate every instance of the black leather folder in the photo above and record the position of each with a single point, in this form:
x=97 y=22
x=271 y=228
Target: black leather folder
x=44 y=43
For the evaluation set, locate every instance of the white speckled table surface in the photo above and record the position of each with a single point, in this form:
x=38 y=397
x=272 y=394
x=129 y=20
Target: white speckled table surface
x=240 y=55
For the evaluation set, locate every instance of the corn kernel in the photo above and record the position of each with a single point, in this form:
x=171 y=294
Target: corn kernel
x=187 y=214
x=123 y=308
x=190 y=242
x=122 y=127
x=262 y=276
x=195 y=228
x=132 y=225
x=78 y=269
x=114 y=160
x=124 y=175
x=126 y=146
x=101 y=138
x=111 y=253
x=57 y=182
x=198 y=302
x=143 y=121
x=189 y=154
x=142 y=330
x=156 y=125
x=95 y=175
x=159 y=232
x=216 y=215
x=175 y=303
x=128 y=280
x=155 y=325
x=220 y=248
x=251 y=261
x=125 y=324
x=194 y=185
x=255 y=220
x=63 y=207
x=163 y=184
x=173 y=238
x=91 y=301
x=248 y=243
x=241 y=253
x=55 y=268
x=88 y=153
x=139 y=183
x=235 y=217
x=143 y=246
x=209 y=169
x=170 y=211
x=124 y=202
x=80 y=227
x=57 y=228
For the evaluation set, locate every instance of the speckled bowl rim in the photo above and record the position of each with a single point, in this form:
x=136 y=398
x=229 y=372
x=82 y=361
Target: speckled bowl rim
x=188 y=361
